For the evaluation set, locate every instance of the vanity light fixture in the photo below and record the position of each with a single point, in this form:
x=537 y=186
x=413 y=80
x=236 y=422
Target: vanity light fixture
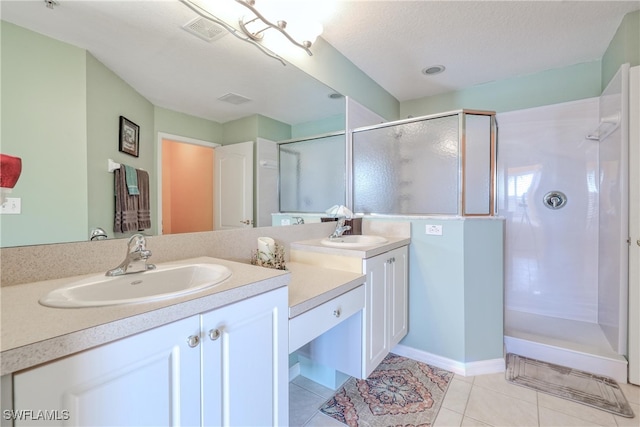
x=252 y=26
x=255 y=26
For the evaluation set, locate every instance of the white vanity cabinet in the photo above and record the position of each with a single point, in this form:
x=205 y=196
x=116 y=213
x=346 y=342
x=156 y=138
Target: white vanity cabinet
x=152 y=378
x=224 y=367
x=245 y=362
x=386 y=306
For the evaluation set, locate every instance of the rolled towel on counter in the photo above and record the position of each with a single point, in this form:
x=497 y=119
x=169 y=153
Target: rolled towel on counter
x=266 y=248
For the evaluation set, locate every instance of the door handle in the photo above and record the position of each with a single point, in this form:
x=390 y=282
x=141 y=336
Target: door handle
x=247 y=222
x=193 y=341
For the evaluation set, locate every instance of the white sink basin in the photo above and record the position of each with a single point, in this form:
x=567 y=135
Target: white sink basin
x=353 y=241
x=165 y=282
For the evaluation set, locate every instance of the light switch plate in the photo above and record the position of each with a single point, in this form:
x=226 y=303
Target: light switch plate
x=434 y=230
x=10 y=206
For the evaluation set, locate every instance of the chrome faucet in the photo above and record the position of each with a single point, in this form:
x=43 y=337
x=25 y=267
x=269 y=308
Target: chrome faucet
x=136 y=259
x=340 y=228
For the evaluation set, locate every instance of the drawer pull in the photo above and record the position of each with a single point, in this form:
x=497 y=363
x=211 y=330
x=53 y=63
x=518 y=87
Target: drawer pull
x=337 y=312
x=214 y=334
x=193 y=341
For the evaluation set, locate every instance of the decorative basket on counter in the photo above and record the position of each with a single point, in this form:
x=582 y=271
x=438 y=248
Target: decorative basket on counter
x=274 y=260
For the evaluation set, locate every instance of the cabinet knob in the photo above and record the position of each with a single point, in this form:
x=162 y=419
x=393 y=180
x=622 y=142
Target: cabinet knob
x=214 y=334
x=337 y=312
x=193 y=341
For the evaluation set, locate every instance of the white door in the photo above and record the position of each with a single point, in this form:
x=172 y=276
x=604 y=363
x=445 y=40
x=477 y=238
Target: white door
x=398 y=298
x=245 y=362
x=152 y=378
x=234 y=186
x=634 y=226
x=376 y=338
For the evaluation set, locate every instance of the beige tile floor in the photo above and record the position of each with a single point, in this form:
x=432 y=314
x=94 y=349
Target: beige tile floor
x=483 y=400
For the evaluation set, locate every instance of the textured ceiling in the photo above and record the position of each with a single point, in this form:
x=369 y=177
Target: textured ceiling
x=391 y=41
x=477 y=41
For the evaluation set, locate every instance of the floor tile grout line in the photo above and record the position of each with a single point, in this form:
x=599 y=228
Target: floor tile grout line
x=466 y=403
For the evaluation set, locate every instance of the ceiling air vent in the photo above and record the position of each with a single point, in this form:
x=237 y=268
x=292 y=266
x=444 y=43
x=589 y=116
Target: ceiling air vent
x=234 y=98
x=205 y=29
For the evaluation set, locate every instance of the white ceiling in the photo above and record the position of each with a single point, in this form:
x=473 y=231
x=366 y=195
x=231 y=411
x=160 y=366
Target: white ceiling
x=391 y=41
x=477 y=41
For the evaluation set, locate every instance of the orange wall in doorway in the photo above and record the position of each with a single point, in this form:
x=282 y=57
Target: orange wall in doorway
x=187 y=187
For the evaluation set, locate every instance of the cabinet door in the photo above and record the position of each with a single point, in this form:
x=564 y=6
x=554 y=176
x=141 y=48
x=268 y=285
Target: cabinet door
x=375 y=336
x=152 y=378
x=398 y=295
x=245 y=362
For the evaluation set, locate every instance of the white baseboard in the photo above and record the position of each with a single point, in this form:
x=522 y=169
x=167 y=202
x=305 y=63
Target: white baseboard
x=294 y=371
x=481 y=367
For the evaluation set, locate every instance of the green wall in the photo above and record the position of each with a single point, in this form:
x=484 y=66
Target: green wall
x=44 y=122
x=548 y=87
x=108 y=98
x=251 y=127
x=60 y=114
x=332 y=68
x=175 y=123
x=624 y=47
x=319 y=127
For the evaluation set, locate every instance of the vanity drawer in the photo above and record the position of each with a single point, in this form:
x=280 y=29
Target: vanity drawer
x=313 y=323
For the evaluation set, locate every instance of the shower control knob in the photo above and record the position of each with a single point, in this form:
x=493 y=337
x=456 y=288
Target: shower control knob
x=555 y=199
x=638 y=242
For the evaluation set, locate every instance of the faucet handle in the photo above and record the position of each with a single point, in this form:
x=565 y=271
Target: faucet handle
x=137 y=242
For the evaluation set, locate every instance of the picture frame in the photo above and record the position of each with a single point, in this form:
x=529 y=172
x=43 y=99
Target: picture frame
x=129 y=137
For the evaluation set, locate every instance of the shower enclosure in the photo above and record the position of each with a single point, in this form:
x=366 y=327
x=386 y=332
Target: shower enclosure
x=312 y=173
x=565 y=265
x=434 y=165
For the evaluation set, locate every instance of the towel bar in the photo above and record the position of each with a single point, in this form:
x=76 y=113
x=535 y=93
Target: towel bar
x=112 y=166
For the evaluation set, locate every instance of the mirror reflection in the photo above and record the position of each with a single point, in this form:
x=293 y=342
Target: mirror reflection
x=70 y=73
x=312 y=174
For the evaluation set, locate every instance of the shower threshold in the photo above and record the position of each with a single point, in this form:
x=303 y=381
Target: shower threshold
x=576 y=344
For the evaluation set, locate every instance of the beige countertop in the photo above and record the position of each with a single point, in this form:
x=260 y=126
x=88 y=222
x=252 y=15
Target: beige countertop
x=314 y=245
x=311 y=286
x=33 y=334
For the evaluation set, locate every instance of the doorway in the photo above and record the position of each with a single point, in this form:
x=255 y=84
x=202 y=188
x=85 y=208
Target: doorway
x=186 y=185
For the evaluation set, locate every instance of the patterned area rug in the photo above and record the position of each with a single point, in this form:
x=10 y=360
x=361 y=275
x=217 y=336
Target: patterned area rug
x=567 y=383
x=399 y=392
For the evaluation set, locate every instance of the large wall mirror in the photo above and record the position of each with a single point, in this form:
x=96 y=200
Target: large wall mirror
x=69 y=72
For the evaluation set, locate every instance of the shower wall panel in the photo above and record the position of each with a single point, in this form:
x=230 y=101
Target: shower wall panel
x=407 y=168
x=614 y=208
x=551 y=256
x=312 y=174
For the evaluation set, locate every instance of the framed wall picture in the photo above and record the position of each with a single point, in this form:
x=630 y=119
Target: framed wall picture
x=129 y=137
